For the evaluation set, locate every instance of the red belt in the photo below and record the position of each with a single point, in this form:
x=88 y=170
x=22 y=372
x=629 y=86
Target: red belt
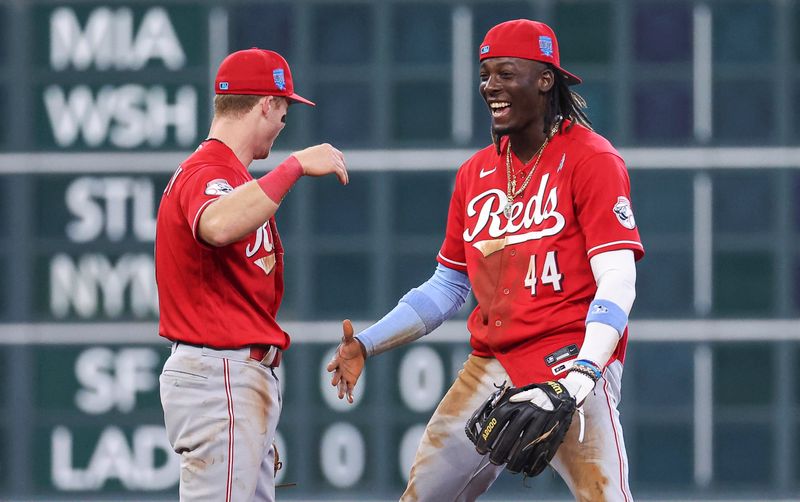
x=260 y=352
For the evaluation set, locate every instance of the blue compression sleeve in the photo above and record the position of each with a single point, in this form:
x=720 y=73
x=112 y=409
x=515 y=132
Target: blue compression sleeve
x=419 y=312
x=441 y=296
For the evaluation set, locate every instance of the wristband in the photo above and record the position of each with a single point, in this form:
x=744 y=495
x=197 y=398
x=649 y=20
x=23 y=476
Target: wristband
x=276 y=183
x=588 y=368
x=608 y=313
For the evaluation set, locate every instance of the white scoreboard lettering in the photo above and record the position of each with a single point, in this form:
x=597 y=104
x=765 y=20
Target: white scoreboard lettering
x=420 y=383
x=111 y=40
x=103 y=205
x=111 y=437
x=94 y=284
x=111 y=381
x=130 y=115
x=421 y=378
x=115 y=458
x=127 y=116
x=342 y=455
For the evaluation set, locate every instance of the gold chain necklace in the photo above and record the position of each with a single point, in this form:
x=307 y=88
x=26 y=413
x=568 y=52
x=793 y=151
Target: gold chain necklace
x=511 y=191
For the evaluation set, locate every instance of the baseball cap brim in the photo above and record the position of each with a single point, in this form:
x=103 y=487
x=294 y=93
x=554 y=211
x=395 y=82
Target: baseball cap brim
x=572 y=79
x=300 y=99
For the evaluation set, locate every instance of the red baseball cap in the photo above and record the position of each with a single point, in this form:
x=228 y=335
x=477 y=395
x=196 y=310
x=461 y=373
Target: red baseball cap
x=526 y=39
x=259 y=72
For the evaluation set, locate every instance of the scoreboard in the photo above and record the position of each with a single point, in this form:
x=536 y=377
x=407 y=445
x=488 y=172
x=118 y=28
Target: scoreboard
x=97 y=427
x=94 y=238
x=94 y=427
x=116 y=76
x=101 y=100
x=92 y=79
x=80 y=416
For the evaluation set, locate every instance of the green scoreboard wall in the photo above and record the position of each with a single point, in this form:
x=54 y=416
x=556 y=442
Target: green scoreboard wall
x=101 y=101
x=110 y=76
x=94 y=427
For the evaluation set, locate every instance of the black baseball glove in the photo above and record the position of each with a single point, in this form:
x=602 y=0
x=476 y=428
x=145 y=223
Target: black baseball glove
x=522 y=435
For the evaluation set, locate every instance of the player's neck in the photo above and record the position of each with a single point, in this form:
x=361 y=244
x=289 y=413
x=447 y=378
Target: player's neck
x=526 y=143
x=229 y=133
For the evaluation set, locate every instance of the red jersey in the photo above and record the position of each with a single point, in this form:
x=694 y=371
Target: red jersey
x=530 y=272
x=221 y=297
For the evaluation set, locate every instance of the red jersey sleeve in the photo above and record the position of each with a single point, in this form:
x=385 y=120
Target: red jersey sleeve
x=451 y=254
x=601 y=189
x=200 y=189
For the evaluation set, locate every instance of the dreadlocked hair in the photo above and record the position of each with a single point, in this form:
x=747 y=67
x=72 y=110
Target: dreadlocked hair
x=565 y=103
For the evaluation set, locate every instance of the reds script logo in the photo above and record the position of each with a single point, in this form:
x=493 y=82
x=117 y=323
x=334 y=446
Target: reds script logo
x=263 y=238
x=539 y=212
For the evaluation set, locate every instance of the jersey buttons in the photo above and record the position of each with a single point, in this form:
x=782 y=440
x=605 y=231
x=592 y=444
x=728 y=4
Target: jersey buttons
x=513 y=252
x=506 y=291
x=498 y=323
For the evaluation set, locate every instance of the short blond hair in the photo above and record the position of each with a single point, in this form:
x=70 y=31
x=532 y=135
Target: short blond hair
x=234 y=105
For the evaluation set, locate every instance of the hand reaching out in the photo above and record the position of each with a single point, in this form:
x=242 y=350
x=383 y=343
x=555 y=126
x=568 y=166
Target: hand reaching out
x=323 y=159
x=347 y=362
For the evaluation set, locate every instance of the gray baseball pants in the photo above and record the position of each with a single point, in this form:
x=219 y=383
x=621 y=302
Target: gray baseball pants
x=448 y=469
x=221 y=409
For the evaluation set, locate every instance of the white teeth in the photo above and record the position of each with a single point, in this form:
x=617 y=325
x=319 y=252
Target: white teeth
x=499 y=104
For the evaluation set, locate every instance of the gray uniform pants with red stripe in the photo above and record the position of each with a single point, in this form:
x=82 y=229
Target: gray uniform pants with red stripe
x=221 y=409
x=447 y=467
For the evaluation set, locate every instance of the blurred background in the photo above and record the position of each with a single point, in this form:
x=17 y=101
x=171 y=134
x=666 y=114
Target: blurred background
x=102 y=100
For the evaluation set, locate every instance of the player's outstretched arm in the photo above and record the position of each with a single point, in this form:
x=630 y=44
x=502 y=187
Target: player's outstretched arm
x=347 y=362
x=418 y=313
x=234 y=215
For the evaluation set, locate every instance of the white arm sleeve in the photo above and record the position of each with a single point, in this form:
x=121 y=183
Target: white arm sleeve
x=615 y=275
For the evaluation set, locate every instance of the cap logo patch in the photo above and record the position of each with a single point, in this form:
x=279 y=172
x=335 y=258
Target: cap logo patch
x=546 y=45
x=223 y=86
x=280 y=81
x=485 y=49
x=624 y=213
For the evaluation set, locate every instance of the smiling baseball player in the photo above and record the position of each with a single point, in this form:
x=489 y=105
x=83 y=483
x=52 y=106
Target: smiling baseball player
x=541 y=229
x=219 y=268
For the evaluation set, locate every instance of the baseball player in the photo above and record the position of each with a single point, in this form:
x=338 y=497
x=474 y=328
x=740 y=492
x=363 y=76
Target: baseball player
x=541 y=230
x=219 y=268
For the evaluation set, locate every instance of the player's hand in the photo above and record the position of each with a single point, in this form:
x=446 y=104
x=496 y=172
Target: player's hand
x=347 y=362
x=577 y=384
x=323 y=159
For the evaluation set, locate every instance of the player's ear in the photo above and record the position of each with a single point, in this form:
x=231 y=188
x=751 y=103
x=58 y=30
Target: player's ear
x=267 y=104
x=546 y=80
x=274 y=103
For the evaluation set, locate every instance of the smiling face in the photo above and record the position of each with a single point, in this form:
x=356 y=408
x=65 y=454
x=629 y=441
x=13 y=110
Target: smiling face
x=516 y=92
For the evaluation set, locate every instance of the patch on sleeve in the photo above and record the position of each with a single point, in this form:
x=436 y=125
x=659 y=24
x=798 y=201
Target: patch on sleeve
x=624 y=213
x=218 y=187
